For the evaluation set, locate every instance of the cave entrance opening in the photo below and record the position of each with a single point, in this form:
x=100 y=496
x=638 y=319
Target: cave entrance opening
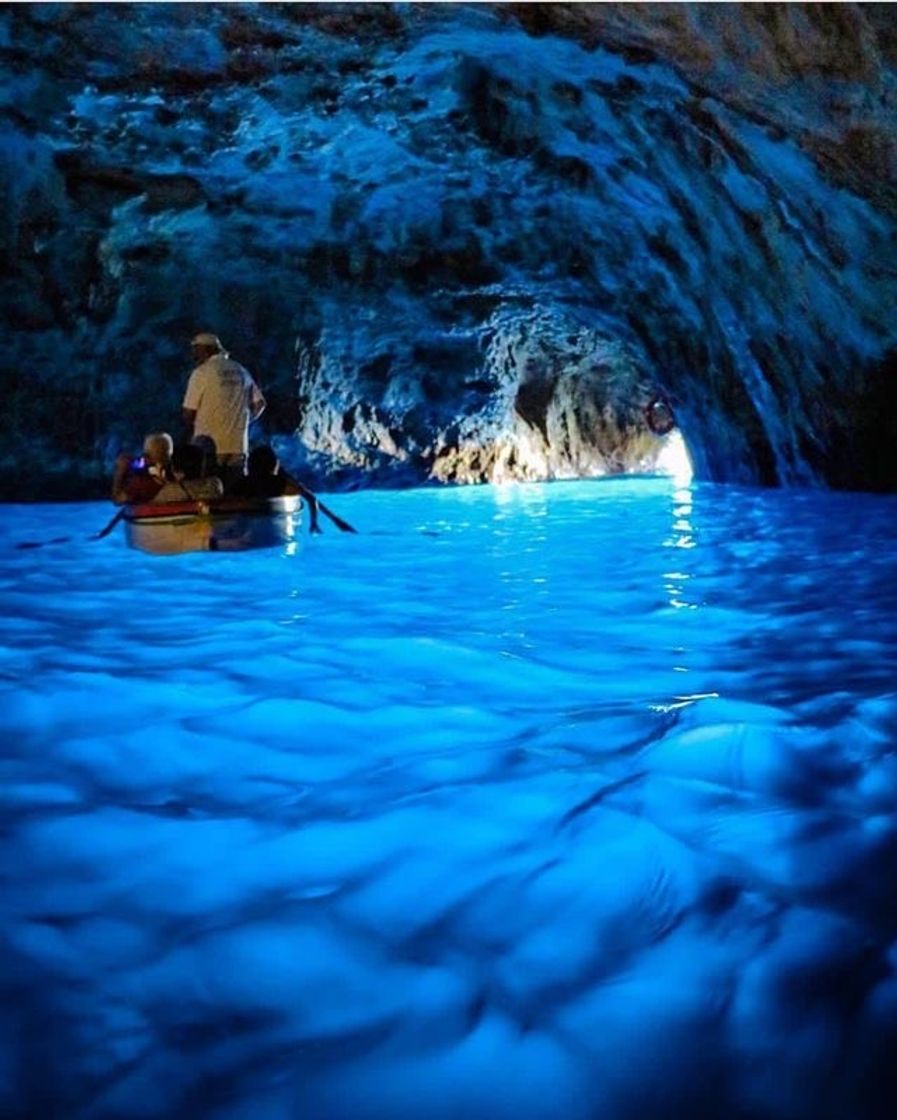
x=674 y=458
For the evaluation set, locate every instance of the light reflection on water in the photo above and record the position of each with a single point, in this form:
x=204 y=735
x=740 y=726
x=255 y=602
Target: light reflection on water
x=536 y=801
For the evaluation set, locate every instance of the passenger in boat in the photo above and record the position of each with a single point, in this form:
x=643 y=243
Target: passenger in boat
x=221 y=400
x=266 y=479
x=140 y=479
x=209 y=451
x=188 y=482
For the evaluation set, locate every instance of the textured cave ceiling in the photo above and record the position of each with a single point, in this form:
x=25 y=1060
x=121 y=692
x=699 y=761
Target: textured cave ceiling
x=456 y=242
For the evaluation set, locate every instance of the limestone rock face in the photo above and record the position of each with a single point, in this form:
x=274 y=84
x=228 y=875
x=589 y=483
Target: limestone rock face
x=455 y=242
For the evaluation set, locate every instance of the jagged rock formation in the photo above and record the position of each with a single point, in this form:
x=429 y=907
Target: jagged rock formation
x=456 y=242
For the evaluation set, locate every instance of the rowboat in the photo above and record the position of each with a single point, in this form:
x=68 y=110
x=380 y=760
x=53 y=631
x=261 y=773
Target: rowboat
x=222 y=525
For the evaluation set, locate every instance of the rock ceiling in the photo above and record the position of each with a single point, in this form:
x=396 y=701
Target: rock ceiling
x=456 y=242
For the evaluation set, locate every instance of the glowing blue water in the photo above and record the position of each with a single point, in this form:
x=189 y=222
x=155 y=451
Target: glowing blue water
x=554 y=801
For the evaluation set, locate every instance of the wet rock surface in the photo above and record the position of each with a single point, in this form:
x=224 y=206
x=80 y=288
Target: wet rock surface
x=455 y=243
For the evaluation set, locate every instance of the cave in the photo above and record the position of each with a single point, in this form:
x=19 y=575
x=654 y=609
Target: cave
x=507 y=196
x=533 y=755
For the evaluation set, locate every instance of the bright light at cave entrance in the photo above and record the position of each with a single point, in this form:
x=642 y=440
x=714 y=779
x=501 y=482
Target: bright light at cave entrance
x=674 y=459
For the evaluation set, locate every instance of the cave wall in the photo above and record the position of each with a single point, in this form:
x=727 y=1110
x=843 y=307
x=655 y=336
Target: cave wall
x=454 y=242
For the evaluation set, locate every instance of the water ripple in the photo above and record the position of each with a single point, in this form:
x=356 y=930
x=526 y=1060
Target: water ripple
x=567 y=800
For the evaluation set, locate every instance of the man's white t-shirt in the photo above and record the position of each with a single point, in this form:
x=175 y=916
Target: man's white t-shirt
x=224 y=398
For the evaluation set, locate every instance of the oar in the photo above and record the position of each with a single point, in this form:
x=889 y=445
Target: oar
x=104 y=532
x=337 y=521
x=310 y=497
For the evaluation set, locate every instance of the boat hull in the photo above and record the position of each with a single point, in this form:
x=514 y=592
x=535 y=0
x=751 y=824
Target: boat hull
x=225 y=525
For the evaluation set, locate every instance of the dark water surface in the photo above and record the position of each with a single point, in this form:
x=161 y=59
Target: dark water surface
x=567 y=801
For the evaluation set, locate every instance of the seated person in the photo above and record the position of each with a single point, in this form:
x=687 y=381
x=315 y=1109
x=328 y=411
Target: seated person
x=265 y=479
x=139 y=480
x=188 y=483
x=210 y=466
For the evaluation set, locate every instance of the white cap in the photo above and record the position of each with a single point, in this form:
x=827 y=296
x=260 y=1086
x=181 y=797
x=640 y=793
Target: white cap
x=206 y=339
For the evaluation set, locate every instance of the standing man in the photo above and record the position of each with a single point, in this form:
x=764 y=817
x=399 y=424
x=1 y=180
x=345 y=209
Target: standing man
x=220 y=402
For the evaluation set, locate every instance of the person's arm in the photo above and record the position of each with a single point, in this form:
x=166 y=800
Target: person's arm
x=191 y=402
x=130 y=485
x=257 y=402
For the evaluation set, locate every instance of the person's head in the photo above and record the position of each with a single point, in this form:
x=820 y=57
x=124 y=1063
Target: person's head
x=157 y=447
x=204 y=345
x=187 y=461
x=262 y=462
x=209 y=453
